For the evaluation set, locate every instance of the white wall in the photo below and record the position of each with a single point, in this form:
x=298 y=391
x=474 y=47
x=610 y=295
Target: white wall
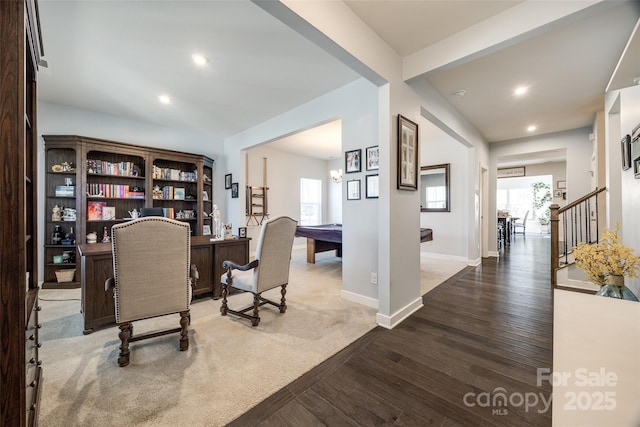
x=284 y=171
x=55 y=119
x=334 y=194
x=449 y=238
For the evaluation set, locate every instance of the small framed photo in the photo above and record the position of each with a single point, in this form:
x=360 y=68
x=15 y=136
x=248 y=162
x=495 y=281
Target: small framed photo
x=234 y=190
x=178 y=193
x=407 y=154
x=205 y=195
x=352 y=161
x=353 y=189
x=206 y=230
x=562 y=185
x=227 y=181
x=371 y=186
x=109 y=213
x=242 y=232
x=557 y=193
x=372 y=158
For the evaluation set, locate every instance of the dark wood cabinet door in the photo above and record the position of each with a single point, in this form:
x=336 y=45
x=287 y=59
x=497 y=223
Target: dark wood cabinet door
x=233 y=250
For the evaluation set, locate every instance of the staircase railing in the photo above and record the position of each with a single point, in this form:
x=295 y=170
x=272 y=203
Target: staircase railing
x=580 y=222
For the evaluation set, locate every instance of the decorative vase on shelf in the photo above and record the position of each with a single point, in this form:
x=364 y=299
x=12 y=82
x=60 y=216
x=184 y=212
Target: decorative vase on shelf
x=615 y=288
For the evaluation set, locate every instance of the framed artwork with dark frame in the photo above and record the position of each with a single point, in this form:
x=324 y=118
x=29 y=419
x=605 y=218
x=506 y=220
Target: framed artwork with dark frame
x=234 y=190
x=626 y=152
x=372 y=158
x=407 y=154
x=372 y=186
x=353 y=189
x=352 y=161
x=227 y=181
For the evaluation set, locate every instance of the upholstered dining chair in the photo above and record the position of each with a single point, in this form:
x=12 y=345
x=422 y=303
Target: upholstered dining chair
x=152 y=276
x=269 y=269
x=517 y=224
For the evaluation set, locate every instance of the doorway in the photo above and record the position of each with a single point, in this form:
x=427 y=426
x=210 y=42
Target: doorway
x=528 y=196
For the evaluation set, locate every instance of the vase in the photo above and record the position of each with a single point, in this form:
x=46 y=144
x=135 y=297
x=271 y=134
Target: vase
x=615 y=288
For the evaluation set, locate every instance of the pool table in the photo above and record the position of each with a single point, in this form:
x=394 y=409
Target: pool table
x=328 y=237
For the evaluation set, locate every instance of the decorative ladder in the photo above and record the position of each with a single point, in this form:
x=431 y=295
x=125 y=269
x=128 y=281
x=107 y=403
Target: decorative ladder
x=257 y=204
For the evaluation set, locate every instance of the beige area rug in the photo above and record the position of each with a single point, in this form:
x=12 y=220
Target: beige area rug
x=229 y=367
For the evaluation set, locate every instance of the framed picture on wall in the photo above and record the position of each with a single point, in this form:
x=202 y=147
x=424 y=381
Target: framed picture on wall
x=407 y=154
x=352 y=161
x=371 y=186
x=372 y=158
x=353 y=189
x=227 y=181
x=234 y=190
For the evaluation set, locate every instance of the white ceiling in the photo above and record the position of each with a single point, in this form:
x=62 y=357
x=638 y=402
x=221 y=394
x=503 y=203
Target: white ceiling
x=116 y=57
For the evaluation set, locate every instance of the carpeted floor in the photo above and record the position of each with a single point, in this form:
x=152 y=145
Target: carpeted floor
x=229 y=367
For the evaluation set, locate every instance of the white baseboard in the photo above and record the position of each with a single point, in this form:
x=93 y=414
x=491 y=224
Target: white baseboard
x=395 y=319
x=443 y=256
x=474 y=262
x=494 y=254
x=360 y=299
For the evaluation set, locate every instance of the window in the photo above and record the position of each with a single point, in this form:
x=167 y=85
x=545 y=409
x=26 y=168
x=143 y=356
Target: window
x=310 y=201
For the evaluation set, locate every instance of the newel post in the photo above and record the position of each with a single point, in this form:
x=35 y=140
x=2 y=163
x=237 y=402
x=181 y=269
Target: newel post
x=555 y=256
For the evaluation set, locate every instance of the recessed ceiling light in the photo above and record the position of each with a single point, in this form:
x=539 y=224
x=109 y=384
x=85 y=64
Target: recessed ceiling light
x=460 y=93
x=531 y=128
x=520 y=90
x=199 y=59
x=165 y=99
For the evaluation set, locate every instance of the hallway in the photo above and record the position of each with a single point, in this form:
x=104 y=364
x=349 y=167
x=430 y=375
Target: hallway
x=469 y=357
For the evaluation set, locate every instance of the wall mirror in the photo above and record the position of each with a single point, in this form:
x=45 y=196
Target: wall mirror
x=434 y=188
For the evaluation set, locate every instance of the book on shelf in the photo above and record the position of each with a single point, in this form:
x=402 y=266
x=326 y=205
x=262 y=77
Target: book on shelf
x=103 y=167
x=94 y=210
x=167 y=192
x=174 y=174
x=113 y=191
x=168 y=213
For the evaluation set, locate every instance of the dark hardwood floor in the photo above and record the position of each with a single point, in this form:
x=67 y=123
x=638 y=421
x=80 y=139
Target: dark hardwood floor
x=477 y=342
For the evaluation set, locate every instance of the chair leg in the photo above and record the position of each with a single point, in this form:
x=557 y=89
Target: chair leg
x=224 y=308
x=184 y=333
x=283 y=301
x=255 y=320
x=125 y=334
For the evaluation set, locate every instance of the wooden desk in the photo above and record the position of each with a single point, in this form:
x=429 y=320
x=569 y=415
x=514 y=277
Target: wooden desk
x=97 y=266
